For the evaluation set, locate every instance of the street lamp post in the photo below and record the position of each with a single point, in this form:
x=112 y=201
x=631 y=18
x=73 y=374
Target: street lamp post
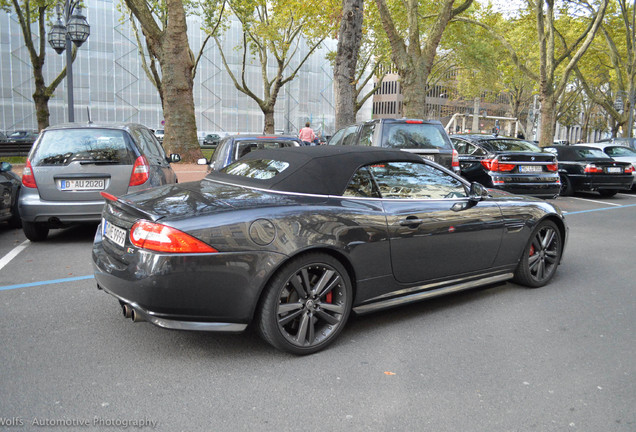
x=73 y=28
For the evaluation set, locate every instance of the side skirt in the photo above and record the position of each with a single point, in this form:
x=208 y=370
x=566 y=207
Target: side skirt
x=430 y=293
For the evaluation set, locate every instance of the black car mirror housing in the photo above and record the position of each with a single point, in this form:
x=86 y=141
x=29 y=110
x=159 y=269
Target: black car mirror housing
x=477 y=192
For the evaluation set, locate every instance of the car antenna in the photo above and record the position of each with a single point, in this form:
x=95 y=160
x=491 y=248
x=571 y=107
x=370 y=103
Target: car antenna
x=88 y=110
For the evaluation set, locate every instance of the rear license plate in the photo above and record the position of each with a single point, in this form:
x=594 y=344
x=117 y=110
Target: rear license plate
x=114 y=233
x=614 y=170
x=530 y=168
x=82 y=184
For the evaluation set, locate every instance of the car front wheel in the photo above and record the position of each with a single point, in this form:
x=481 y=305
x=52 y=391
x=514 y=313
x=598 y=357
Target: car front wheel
x=306 y=304
x=541 y=256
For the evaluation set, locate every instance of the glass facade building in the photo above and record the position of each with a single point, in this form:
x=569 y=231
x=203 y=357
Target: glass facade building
x=109 y=79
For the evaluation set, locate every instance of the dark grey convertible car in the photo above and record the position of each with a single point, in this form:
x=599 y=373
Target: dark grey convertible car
x=294 y=239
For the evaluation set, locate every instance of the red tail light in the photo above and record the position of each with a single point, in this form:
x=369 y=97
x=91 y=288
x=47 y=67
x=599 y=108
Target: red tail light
x=455 y=162
x=592 y=169
x=162 y=238
x=494 y=165
x=140 y=172
x=28 y=179
x=414 y=121
x=552 y=167
x=630 y=169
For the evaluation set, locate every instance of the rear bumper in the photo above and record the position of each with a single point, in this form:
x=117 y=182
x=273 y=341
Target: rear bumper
x=600 y=181
x=207 y=291
x=34 y=209
x=547 y=186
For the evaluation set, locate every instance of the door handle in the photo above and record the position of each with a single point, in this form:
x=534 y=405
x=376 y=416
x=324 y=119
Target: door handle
x=411 y=222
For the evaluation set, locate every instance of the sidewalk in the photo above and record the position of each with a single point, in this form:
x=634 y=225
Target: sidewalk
x=185 y=172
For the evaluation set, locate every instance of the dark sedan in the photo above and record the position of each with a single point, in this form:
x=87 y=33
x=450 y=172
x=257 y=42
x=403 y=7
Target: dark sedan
x=293 y=240
x=585 y=168
x=211 y=141
x=235 y=147
x=9 y=189
x=508 y=164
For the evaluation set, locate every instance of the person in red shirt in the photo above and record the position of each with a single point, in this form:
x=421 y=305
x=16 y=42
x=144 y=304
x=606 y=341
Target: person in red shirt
x=307 y=135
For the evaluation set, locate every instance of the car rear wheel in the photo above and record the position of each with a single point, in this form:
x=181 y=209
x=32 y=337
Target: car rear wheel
x=541 y=256
x=608 y=193
x=35 y=231
x=306 y=305
x=566 y=186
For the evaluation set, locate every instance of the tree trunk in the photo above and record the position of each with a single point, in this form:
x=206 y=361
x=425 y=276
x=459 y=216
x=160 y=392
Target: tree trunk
x=413 y=82
x=548 y=118
x=41 y=110
x=170 y=46
x=176 y=85
x=349 y=39
x=40 y=98
x=268 y=127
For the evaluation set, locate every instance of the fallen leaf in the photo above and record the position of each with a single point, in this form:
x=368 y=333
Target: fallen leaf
x=389 y=373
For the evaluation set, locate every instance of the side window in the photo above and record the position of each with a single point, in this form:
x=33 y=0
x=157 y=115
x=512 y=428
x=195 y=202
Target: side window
x=154 y=148
x=412 y=180
x=361 y=185
x=349 y=137
x=220 y=155
x=336 y=139
x=366 y=134
x=460 y=146
x=139 y=140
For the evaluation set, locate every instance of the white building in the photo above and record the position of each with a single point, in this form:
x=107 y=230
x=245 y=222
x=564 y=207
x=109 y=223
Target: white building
x=109 y=79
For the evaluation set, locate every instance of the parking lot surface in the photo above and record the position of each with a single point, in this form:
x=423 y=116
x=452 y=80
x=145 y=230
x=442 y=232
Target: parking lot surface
x=503 y=358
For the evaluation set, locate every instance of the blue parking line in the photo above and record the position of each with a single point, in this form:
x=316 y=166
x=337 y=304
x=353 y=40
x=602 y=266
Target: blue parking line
x=599 y=209
x=48 y=282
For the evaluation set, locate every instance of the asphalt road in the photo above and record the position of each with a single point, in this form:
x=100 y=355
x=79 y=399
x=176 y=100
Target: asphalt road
x=503 y=358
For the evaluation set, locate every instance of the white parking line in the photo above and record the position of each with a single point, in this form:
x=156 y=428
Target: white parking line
x=14 y=252
x=595 y=201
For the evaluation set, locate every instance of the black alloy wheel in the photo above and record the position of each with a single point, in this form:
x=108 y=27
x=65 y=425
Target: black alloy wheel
x=306 y=304
x=566 y=186
x=541 y=256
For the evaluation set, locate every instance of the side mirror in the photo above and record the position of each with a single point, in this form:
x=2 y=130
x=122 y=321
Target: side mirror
x=203 y=161
x=477 y=192
x=174 y=157
x=5 y=167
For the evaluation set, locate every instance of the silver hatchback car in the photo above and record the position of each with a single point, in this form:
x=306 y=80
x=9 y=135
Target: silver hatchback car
x=70 y=166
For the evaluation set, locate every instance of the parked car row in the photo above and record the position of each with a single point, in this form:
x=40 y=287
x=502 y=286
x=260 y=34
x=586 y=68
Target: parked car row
x=72 y=164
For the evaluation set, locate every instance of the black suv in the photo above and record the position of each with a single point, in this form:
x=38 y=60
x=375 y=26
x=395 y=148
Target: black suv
x=426 y=138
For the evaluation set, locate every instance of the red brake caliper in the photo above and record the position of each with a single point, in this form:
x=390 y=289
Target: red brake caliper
x=531 y=250
x=328 y=297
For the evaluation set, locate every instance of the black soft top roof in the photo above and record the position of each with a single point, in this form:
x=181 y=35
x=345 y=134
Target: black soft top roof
x=323 y=170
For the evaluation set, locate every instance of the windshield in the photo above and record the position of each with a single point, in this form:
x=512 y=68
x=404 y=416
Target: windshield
x=63 y=146
x=591 y=153
x=510 y=145
x=416 y=136
x=620 y=152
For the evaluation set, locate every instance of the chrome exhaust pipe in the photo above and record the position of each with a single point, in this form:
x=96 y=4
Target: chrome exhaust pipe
x=126 y=310
x=136 y=316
